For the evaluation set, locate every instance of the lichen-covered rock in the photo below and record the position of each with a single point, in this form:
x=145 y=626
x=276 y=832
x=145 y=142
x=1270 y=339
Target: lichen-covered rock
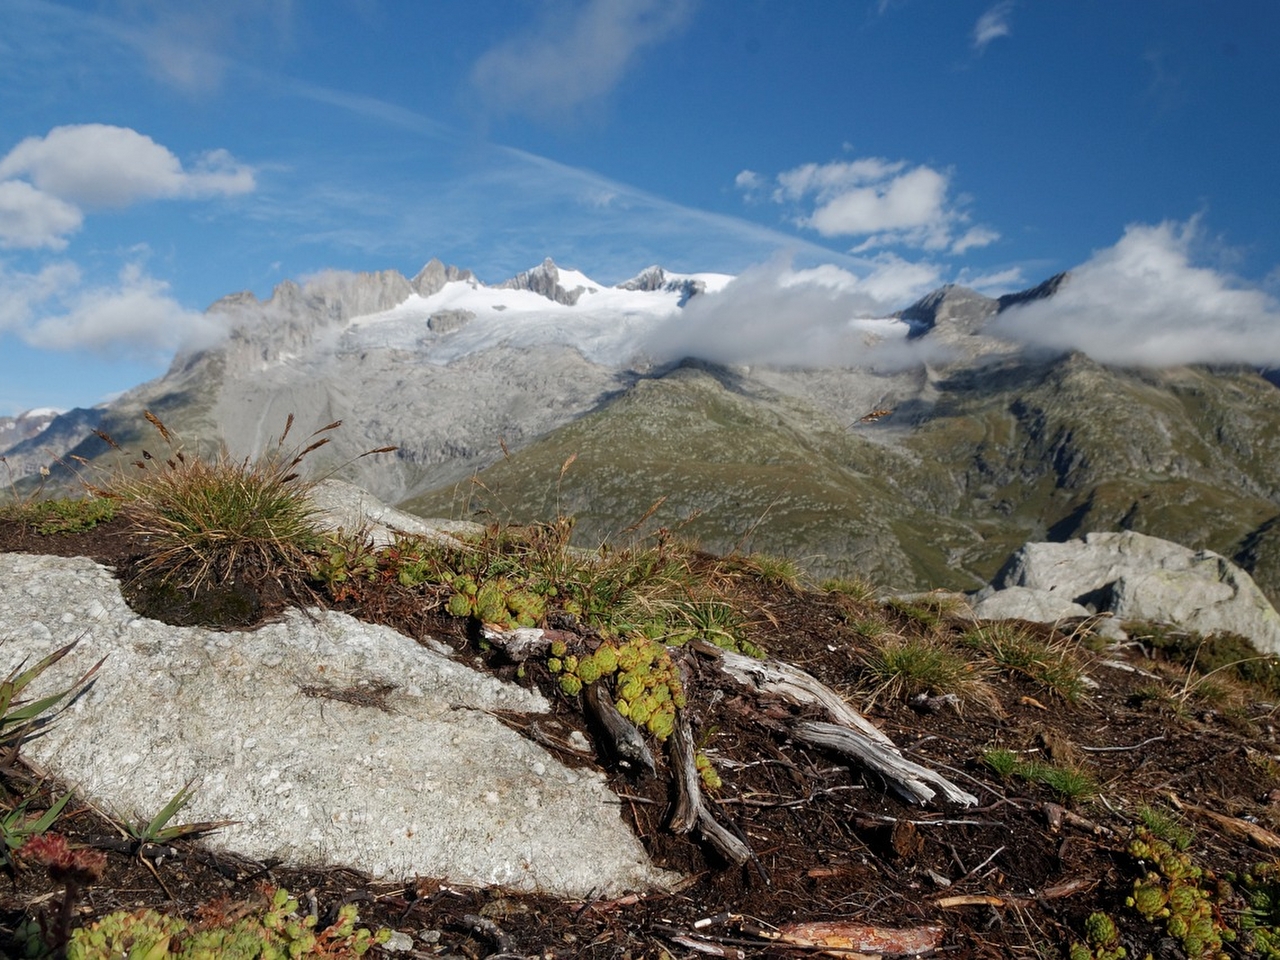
x=330 y=742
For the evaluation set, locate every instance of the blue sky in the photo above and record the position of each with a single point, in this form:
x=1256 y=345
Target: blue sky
x=155 y=156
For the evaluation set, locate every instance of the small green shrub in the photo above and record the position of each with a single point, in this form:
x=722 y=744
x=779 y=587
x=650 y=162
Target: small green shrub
x=1012 y=647
x=1067 y=783
x=1180 y=893
x=856 y=589
x=1260 y=922
x=278 y=933
x=1004 y=762
x=1166 y=826
x=1102 y=938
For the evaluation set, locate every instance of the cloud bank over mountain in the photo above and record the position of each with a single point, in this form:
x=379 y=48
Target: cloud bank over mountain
x=818 y=317
x=1143 y=302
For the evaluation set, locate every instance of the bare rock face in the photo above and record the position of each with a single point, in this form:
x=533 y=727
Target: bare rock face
x=655 y=278
x=447 y=321
x=1024 y=603
x=432 y=278
x=1137 y=577
x=544 y=280
x=331 y=741
x=296 y=317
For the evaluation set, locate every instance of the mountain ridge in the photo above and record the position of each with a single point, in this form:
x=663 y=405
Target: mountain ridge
x=922 y=473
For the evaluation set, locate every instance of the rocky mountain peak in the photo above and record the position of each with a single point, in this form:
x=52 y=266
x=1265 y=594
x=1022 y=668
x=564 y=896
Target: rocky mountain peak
x=655 y=278
x=431 y=278
x=1040 y=291
x=646 y=281
x=544 y=280
x=952 y=304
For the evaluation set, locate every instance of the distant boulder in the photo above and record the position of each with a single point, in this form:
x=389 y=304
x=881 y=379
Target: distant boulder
x=1137 y=577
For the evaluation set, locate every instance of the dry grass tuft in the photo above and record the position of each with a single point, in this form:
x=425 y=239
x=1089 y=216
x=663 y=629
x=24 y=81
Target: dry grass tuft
x=208 y=517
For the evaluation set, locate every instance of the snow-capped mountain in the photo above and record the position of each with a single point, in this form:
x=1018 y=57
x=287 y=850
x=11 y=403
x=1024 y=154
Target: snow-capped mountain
x=456 y=371
x=445 y=313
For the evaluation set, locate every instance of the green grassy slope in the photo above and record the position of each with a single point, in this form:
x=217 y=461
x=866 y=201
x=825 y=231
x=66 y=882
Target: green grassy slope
x=938 y=494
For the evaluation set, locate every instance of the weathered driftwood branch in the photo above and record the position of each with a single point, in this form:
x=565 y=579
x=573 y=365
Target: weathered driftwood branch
x=519 y=644
x=725 y=842
x=624 y=741
x=792 y=683
x=850 y=734
x=914 y=782
x=684 y=771
x=691 y=809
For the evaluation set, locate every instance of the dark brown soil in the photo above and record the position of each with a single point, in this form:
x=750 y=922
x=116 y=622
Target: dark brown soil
x=831 y=844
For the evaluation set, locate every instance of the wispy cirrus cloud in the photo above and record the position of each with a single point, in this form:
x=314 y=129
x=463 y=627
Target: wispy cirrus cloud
x=992 y=25
x=565 y=63
x=884 y=202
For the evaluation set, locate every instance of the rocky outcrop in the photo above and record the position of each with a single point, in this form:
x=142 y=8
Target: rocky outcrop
x=1135 y=577
x=544 y=280
x=447 y=321
x=296 y=317
x=655 y=278
x=953 y=305
x=1025 y=603
x=344 y=506
x=330 y=742
x=1040 y=291
x=431 y=279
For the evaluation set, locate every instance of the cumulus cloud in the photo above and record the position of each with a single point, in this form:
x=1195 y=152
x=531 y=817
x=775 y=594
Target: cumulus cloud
x=887 y=203
x=30 y=218
x=568 y=62
x=135 y=316
x=1143 y=302
x=97 y=165
x=777 y=315
x=994 y=23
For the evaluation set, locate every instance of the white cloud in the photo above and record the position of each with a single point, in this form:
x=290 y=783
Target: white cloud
x=96 y=165
x=30 y=218
x=974 y=237
x=887 y=203
x=995 y=284
x=774 y=314
x=566 y=63
x=135 y=316
x=993 y=24
x=22 y=294
x=912 y=201
x=750 y=183
x=1143 y=302
x=831 y=179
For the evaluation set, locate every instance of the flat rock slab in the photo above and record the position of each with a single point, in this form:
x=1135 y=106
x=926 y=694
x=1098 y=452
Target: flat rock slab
x=332 y=741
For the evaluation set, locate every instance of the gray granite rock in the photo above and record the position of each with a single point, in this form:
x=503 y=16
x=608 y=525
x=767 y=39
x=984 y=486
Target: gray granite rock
x=1136 y=577
x=330 y=740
